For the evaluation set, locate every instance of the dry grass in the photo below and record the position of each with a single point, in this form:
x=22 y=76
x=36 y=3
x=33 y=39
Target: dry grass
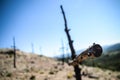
x=35 y=67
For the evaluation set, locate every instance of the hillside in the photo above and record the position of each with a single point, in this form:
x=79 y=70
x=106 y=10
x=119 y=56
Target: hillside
x=38 y=67
x=110 y=59
x=113 y=47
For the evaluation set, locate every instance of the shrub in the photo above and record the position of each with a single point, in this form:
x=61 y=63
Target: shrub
x=60 y=69
x=51 y=72
x=26 y=70
x=41 y=72
x=32 y=77
x=41 y=55
x=9 y=74
x=55 y=67
x=69 y=75
x=118 y=76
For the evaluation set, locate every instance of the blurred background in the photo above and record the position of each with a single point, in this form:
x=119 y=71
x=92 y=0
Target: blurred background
x=30 y=27
x=38 y=25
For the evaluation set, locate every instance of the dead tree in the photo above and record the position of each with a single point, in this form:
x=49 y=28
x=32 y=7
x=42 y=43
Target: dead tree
x=40 y=50
x=77 y=70
x=63 y=59
x=62 y=48
x=14 y=48
x=32 y=46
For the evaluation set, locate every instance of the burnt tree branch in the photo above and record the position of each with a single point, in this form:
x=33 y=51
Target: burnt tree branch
x=77 y=70
x=68 y=35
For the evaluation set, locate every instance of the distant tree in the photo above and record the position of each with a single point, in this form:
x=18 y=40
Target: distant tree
x=40 y=50
x=32 y=46
x=63 y=57
x=68 y=57
x=14 y=51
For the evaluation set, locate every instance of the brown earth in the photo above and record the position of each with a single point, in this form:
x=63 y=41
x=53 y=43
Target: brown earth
x=38 y=67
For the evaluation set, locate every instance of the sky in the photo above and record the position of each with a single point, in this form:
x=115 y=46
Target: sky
x=39 y=23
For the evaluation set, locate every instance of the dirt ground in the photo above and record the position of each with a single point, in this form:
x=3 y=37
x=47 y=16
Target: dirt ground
x=36 y=67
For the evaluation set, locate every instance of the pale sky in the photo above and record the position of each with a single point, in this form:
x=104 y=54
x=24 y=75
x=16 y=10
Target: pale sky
x=40 y=22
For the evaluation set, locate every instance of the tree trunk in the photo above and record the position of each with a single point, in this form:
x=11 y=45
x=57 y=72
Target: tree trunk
x=77 y=70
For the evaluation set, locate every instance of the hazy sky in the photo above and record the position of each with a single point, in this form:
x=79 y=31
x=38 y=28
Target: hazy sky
x=40 y=22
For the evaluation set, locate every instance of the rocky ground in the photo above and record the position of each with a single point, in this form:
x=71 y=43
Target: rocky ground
x=38 y=67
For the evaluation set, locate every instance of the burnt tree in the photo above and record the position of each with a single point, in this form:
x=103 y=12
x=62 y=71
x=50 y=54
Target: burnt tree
x=32 y=46
x=77 y=70
x=14 y=52
x=62 y=48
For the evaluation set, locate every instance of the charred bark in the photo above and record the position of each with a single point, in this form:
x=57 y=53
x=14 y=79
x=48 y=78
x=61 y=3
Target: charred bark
x=77 y=70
